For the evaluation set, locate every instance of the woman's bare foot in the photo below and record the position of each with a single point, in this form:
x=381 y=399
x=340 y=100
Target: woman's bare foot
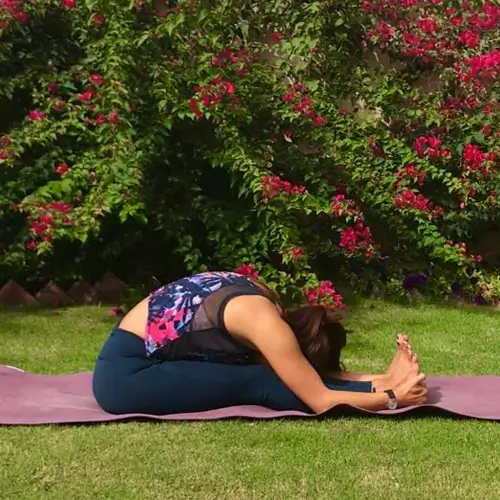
x=404 y=364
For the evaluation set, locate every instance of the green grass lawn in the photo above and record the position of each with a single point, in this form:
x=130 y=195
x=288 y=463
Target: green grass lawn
x=345 y=458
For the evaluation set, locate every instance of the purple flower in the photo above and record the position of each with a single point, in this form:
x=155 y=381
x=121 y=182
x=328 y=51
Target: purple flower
x=479 y=300
x=414 y=280
x=384 y=259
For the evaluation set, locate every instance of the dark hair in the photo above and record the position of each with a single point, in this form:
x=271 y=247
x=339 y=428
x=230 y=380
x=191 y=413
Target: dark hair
x=320 y=334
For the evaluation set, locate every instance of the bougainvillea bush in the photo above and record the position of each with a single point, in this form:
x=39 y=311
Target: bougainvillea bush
x=171 y=137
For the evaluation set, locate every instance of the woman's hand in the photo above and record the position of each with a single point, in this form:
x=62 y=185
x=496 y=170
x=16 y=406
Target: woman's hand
x=412 y=391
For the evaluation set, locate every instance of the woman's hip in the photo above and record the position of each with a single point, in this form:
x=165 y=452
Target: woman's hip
x=122 y=355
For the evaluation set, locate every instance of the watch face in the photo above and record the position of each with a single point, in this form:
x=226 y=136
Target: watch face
x=392 y=404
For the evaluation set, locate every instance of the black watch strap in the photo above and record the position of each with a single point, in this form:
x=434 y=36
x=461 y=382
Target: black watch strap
x=390 y=394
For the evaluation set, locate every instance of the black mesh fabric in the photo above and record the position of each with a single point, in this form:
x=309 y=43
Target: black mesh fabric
x=208 y=339
x=210 y=314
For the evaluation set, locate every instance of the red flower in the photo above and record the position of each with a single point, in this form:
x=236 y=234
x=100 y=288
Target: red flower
x=116 y=311
x=86 y=96
x=69 y=4
x=474 y=158
x=36 y=115
x=276 y=37
x=98 y=18
x=62 y=168
x=59 y=206
x=229 y=88
x=38 y=227
x=53 y=88
x=355 y=237
x=114 y=117
x=60 y=105
x=247 y=270
x=469 y=38
x=431 y=147
x=272 y=186
x=428 y=25
x=100 y=119
x=96 y=79
x=295 y=253
x=46 y=219
x=31 y=245
x=343 y=207
x=318 y=120
x=408 y=199
x=194 y=106
x=324 y=294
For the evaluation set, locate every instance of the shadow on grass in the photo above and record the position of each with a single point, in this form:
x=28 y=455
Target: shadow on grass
x=16 y=311
x=10 y=316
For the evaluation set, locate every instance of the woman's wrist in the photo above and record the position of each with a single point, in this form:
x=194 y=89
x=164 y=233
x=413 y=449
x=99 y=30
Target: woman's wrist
x=372 y=401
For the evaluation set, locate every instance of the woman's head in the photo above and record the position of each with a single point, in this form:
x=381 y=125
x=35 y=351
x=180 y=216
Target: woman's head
x=320 y=334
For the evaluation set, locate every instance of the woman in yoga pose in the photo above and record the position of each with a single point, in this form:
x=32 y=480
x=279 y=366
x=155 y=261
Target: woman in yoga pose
x=221 y=339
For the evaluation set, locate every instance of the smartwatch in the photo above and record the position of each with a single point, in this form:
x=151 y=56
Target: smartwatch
x=392 y=402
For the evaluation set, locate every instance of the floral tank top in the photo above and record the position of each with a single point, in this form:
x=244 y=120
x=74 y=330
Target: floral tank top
x=185 y=319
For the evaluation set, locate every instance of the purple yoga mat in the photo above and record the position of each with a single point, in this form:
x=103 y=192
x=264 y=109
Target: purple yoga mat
x=32 y=399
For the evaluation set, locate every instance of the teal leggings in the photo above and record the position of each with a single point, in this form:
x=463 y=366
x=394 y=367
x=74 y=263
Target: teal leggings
x=125 y=380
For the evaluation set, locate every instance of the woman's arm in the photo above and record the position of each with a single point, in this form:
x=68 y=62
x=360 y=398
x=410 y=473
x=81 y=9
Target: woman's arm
x=255 y=320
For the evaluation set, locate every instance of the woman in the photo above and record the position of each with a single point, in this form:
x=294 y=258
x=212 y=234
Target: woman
x=221 y=339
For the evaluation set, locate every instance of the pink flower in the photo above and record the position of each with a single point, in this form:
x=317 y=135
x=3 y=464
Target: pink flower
x=469 y=38
x=428 y=25
x=114 y=117
x=430 y=146
x=31 y=245
x=98 y=18
x=272 y=186
x=324 y=294
x=194 y=106
x=229 y=88
x=96 y=79
x=318 y=120
x=100 y=119
x=36 y=115
x=247 y=270
x=355 y=237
